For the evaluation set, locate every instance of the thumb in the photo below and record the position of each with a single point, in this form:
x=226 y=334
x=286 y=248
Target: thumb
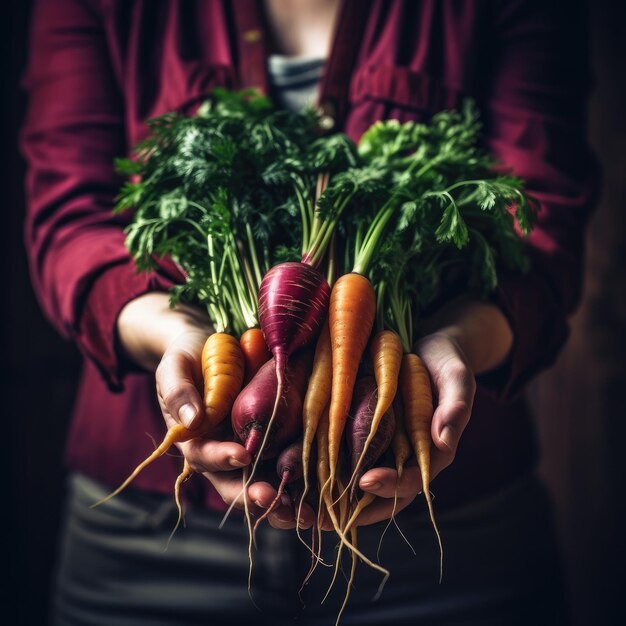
x=178 y=379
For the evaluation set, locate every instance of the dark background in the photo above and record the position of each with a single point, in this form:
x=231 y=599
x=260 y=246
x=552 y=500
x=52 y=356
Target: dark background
x=580 y=404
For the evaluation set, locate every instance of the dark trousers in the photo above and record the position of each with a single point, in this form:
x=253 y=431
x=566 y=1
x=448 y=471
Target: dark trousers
x=501 y=567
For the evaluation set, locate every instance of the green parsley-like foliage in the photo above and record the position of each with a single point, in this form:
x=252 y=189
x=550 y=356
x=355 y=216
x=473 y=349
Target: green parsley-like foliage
x=453 y=226
x=213 y=191
x=423 y=209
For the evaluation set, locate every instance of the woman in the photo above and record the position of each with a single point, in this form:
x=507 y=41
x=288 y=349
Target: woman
x=97 y=70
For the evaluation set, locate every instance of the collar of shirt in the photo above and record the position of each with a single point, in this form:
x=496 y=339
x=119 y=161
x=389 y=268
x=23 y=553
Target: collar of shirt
x=252 y=40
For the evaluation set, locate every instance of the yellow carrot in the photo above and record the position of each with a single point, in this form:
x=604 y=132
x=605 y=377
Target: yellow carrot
x=315 y=402
x=386 y=352
x=184 y=476
x=418 y=412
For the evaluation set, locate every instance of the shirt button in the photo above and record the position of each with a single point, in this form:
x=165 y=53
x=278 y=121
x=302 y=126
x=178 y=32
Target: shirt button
x=327 y=119
x=252 y=36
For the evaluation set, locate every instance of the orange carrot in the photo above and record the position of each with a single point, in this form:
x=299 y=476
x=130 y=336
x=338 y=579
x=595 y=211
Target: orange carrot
x=222 y=368
x=351 y=315
x=386 y=351
x=418 y=412
x=255 y=352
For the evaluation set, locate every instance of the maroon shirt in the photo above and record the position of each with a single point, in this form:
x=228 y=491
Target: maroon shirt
x=98 y=69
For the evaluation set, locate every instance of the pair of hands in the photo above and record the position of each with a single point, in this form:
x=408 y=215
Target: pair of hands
x=467 y=338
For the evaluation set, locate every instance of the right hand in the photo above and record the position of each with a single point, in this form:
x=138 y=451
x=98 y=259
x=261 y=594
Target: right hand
x=169 y=342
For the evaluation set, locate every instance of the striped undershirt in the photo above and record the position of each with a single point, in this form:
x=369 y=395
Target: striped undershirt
x=294 y=80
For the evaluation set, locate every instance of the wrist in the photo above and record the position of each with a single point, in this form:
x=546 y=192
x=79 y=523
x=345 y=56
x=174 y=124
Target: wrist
x=147 y=325
x=479 y=329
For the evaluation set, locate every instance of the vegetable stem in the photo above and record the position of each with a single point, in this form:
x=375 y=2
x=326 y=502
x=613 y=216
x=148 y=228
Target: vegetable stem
x=253 y=256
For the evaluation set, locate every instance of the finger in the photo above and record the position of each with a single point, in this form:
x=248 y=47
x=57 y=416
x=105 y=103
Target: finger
x=177 y=391
x=381 y=481
x=229 y=486
x=380 y=509
x=449 y=422
x=262 y=494
x=454 y=387
x=209 y=455
x=282 y=518
x=307 y=516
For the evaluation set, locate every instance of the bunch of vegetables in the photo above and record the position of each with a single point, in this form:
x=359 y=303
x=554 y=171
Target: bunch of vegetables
x=315 y=259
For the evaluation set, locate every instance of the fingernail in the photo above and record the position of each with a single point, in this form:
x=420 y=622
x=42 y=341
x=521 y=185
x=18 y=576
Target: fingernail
x=187 y=414
x=260 y=504
x=235 y=462
x=375 y=486
x=447 y=436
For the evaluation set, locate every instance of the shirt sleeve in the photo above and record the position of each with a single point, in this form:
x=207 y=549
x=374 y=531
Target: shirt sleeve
x=74 y=127
x=535 y=125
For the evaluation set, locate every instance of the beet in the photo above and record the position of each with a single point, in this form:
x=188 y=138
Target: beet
x=253 y=407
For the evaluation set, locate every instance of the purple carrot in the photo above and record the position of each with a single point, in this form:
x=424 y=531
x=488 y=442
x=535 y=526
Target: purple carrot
x=293 y=301
x=358 y=428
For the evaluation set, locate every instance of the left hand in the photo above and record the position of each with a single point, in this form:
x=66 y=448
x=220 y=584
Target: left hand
x=465 y=339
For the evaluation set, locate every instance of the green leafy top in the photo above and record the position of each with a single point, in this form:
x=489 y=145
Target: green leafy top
x=452 y=222
x=214 y=192
x=242 y=185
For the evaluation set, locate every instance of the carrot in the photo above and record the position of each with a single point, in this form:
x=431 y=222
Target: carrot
x=223 y=371
x=364 y=502
x=184 y=476
x=293 y=299
x=400 y=443
x=401 y=452
x=325 y=507
x=255 y=352
x=315 y=402
x=353 y=539
x=418 y=412
x=351 y=315
x=386 y=352
x=222 y=368
x=321 y=437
